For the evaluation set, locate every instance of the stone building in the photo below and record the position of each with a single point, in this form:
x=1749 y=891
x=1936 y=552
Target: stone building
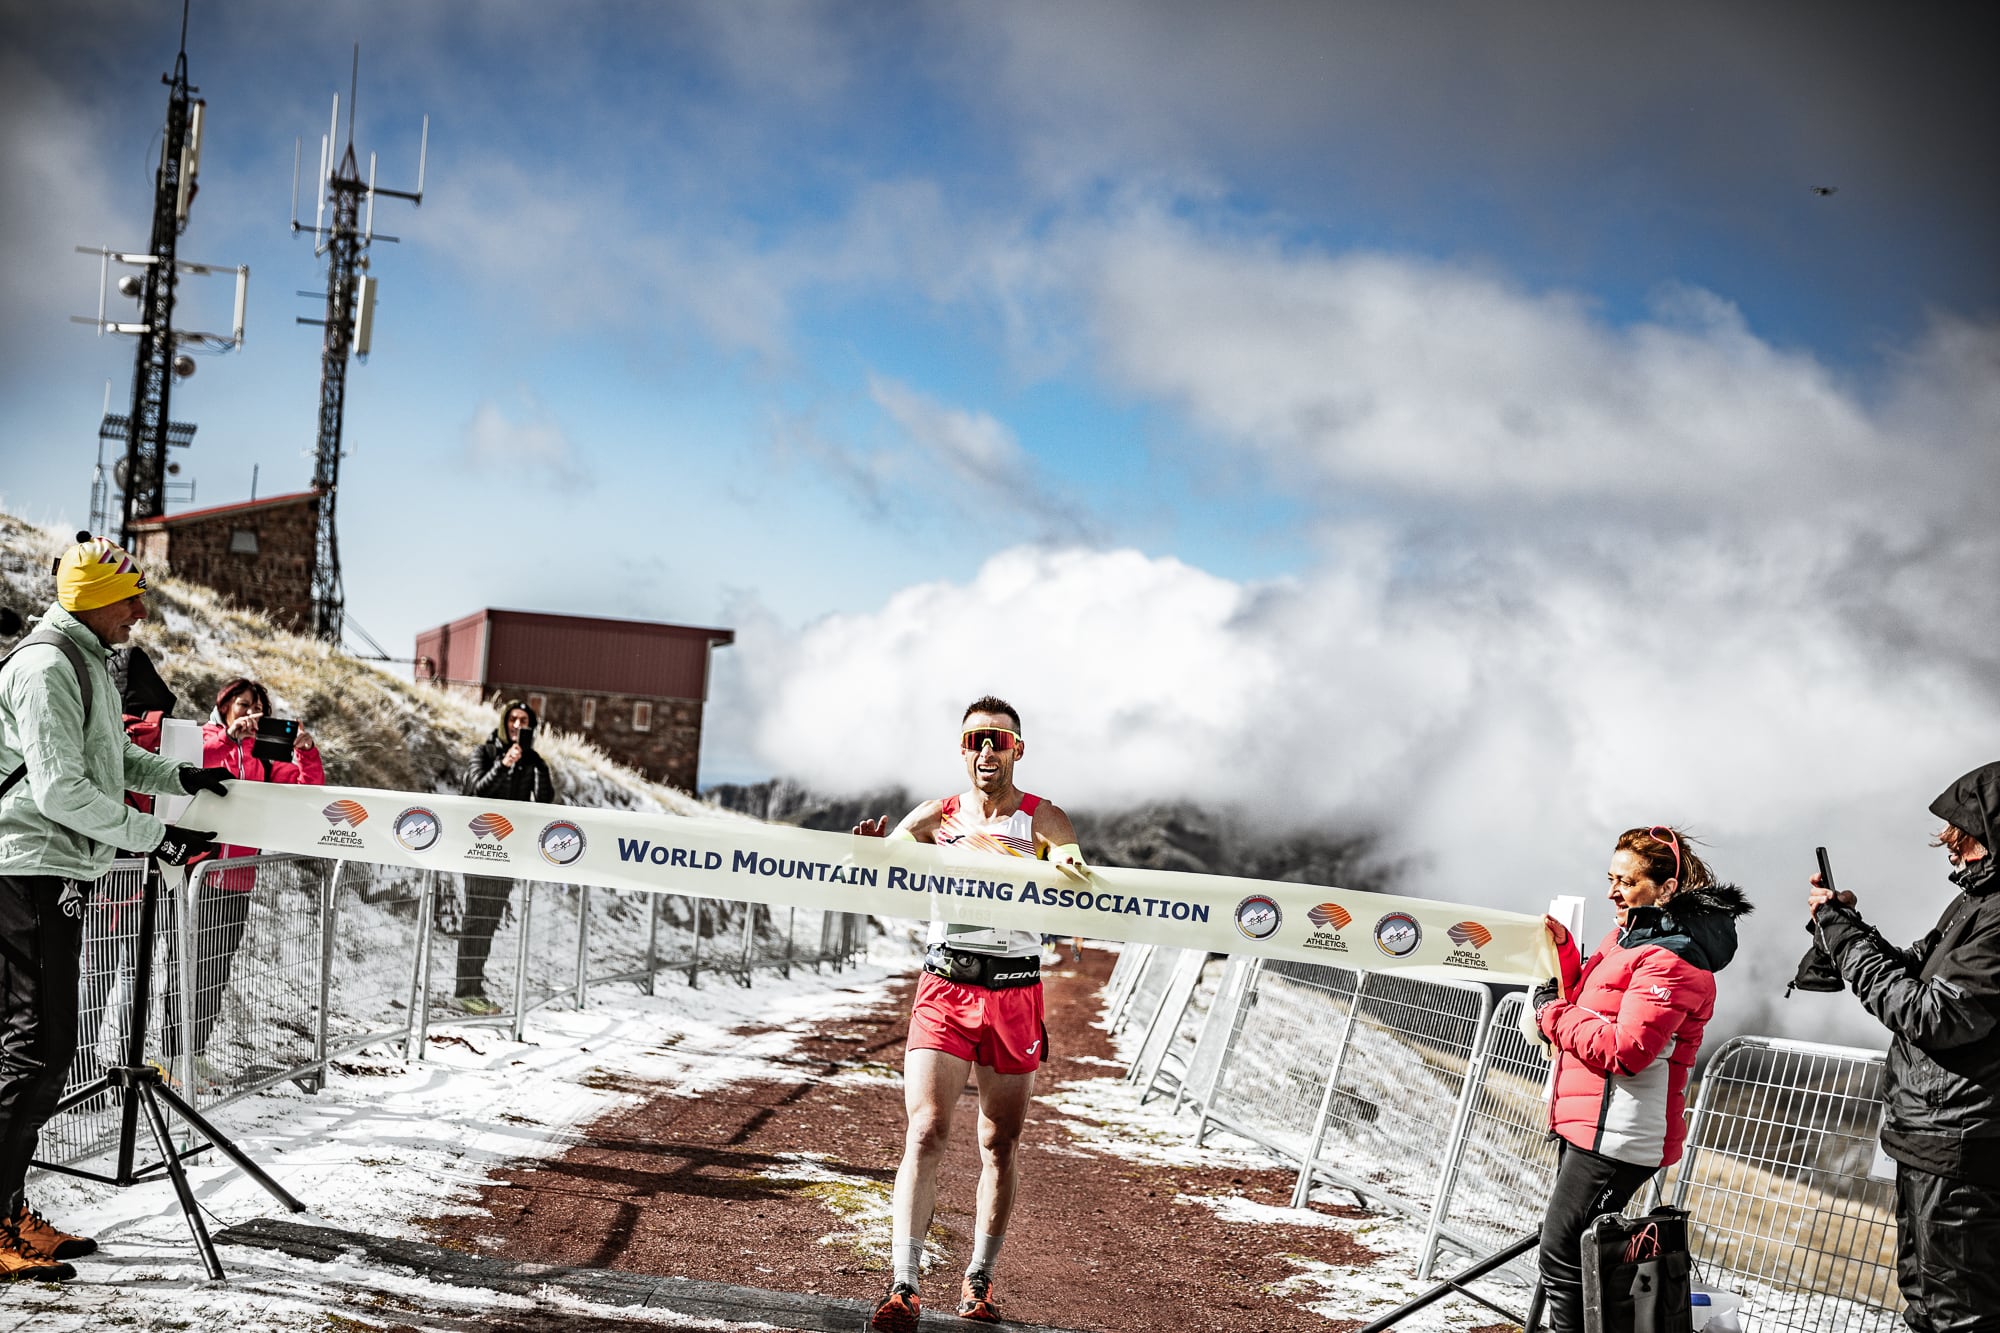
x=257 y=553
x=633 y=688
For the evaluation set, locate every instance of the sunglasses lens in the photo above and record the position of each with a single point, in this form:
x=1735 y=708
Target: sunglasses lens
x=1001 y=741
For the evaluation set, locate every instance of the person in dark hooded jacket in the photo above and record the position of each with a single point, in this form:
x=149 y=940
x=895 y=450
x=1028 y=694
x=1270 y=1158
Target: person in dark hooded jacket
x=1940 y=1000
x=1624 y=1041
x=505 y=768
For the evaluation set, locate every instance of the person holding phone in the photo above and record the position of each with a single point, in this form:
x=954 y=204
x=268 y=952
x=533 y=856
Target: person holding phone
x=1940 y=1000
x=229 y=740
x=505 y=767
x=1624 y=1040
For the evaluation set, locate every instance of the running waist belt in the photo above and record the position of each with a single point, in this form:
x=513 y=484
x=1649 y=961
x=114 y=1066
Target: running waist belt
x=794 y=867
x=982 y=969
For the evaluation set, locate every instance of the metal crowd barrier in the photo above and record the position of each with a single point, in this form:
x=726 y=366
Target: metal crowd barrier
x=294 y=963
x=1426 y=1099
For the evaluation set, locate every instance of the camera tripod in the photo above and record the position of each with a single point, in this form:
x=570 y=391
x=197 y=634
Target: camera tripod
x=141 y=1086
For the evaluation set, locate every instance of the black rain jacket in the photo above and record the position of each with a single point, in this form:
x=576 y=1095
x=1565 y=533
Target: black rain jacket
x=1940 y=998
x=528 y=780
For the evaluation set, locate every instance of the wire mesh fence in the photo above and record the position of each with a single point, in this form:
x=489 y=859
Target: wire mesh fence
x=1426 y=1098
x=1161 y=1063
x=267 y=968
x=1496 y=1183
x=1786 y=1189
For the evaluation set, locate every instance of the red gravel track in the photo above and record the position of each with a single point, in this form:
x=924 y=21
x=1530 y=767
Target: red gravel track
x=672 y=1186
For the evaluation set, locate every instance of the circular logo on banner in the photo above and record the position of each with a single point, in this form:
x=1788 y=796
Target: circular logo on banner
x=1398 y=934
x=1258 y=916
x=417 y=828
x=561 y=843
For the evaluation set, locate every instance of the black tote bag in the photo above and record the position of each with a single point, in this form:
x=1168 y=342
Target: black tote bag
x=1637 y=1274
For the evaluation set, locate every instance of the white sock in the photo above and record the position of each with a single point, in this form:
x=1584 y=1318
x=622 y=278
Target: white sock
x=985 y=1249
x=909 y=1259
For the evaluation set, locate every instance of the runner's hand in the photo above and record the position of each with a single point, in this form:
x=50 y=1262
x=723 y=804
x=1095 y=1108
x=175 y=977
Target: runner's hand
x=877 y=827
x=1068 y=858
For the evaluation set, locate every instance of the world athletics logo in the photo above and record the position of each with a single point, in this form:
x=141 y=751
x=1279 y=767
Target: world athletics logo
x=345 y=812
x=1470 y=935
x=1330 y=916
x=490 y=827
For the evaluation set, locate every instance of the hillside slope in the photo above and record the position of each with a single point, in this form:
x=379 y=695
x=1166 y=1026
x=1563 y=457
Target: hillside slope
x=374 y=729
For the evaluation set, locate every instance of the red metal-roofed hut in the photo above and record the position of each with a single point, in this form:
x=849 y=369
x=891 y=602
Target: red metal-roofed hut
x=635 y=688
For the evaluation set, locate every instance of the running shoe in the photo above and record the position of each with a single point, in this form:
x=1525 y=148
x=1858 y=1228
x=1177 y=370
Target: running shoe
x=897 y=1312
x=976 y=1297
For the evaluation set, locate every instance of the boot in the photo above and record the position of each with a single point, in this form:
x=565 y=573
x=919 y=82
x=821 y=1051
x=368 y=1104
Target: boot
x=21 y=1261
x=35 y=1229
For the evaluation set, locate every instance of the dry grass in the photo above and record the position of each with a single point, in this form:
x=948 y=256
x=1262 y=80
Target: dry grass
x=374 y=728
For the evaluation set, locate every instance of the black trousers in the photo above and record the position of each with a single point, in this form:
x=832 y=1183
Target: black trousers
x=485 y=903
x=41 y=944
x=1587 y=1187
x=1947 y=1252
x=220 y=917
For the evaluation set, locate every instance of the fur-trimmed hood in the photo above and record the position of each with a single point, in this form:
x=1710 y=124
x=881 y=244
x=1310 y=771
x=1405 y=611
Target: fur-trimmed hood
x=1698 y=924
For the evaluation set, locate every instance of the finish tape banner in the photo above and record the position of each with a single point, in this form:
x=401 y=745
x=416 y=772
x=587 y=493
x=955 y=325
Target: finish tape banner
x=793 y=867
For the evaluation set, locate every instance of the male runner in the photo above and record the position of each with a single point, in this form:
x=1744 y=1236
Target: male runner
x=978 y=1012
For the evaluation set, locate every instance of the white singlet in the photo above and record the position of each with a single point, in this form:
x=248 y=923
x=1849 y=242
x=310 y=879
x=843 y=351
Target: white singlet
x=1008 y=835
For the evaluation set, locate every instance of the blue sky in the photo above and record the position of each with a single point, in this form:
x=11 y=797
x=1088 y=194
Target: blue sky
x=1483 y=394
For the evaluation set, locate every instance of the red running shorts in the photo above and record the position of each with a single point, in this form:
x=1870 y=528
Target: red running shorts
x=999 y=1028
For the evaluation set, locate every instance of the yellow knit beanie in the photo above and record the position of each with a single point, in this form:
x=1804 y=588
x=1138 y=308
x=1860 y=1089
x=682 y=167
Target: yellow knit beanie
x=96 y=572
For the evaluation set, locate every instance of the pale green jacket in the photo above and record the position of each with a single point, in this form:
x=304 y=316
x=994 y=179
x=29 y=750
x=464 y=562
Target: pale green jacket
x=68 y=817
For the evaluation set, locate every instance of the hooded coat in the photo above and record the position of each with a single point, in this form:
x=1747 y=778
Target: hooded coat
x=486 y=773
x=1626 y=1038
x=1940 y=998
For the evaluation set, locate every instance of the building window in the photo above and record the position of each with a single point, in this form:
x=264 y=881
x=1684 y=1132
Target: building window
x=589 y=714
x=242 y=541
x=539 y=703
x=642 y=717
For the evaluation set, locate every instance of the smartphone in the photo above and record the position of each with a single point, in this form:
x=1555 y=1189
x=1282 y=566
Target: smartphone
x=275 y=738
x=1825 y=868
x=527 y=737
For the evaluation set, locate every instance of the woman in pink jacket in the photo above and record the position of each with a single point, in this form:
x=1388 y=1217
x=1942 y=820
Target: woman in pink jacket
x=1624 y=1041
x=223 y=899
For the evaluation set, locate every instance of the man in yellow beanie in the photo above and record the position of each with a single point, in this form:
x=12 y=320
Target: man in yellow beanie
x=65 y=766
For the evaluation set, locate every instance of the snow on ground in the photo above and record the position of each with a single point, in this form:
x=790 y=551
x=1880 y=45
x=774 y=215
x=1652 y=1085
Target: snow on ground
x=386 y=1144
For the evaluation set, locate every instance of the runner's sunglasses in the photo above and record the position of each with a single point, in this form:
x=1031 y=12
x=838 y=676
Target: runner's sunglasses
x=978 y=738
x=1661 y=833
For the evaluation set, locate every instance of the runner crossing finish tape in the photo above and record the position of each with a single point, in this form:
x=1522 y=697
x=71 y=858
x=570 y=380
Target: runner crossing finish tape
x=794 y=867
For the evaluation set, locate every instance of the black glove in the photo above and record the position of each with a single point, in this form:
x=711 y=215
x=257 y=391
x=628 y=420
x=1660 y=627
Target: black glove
x=181 y=844
x=195 y=779
x=1816 y=970
x=1547 y=993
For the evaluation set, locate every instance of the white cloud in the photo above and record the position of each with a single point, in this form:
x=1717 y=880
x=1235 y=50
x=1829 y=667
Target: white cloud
x=970 y=462
x=502 y=447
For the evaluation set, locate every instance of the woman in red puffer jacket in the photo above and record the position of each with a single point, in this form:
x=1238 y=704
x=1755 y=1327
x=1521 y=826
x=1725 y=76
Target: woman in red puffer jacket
x=1624 y=1041
x=223 y=897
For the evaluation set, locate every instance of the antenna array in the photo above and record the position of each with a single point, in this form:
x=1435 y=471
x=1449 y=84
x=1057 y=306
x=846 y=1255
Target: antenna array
x=349 y=320
x=146 y=431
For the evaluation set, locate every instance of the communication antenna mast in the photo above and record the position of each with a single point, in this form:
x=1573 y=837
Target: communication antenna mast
x=147 y=432
x=349 y=321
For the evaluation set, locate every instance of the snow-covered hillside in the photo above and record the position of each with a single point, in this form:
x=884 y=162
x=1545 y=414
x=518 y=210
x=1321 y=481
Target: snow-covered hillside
x=374 y=728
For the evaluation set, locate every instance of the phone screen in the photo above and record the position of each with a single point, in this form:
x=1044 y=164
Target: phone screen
x=527 y=737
